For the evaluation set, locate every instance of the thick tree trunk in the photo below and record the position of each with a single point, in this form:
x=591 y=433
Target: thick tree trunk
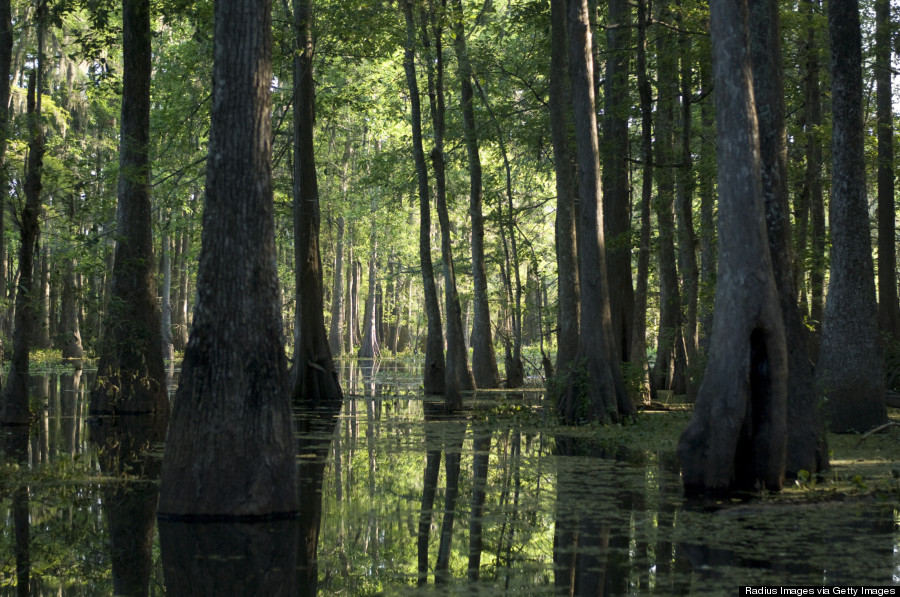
x=806 y=447
x=566 y=255
x=230 y=447
x=484 y=361
x=41 y=338
x=604 y=398
x=433 y=374
x=888 y=305
x=849 y=370
x=639 y=327
x=131 y=375
x=314 y=379
x=616 y=198
x=737 y=436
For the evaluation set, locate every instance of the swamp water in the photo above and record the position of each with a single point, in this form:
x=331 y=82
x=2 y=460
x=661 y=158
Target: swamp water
x=493 y=500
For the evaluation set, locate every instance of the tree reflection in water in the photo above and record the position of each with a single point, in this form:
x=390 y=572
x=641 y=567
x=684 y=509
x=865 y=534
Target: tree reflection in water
x=533 y=509
x=129 y=449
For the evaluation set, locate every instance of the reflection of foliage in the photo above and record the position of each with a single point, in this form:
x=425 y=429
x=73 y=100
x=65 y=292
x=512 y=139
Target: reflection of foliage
x=68 y=536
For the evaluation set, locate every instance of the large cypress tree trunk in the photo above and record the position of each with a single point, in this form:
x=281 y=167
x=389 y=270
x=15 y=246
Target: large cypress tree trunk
x=131 y=375
x=566 y=255
x=737 y=434
x=849 y=370
x=230 y=447
x=484 y=361
x=313 y=375
x=616 y=200
x=604 y=398
x=806 y=448
x=888 y=305
x=433 y=374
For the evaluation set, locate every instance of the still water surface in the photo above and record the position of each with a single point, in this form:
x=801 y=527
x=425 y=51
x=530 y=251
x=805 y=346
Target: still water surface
x=490 y=501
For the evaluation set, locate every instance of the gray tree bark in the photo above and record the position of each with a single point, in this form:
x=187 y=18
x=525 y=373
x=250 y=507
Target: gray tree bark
x=131 y=375
x=314 y=382
x=604 y=399
x=888 y=304
x=616 y=199
x=433 y=374
x=484 y=361
x=230 y=446
x=457 y=375
x=806 y=447
x=737 y=435
x=639 y=327
x=564 y=167
x=849 y=370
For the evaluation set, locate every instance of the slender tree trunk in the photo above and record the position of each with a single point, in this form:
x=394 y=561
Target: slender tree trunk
x=458 y=376
x=42 y=329
x=684 y=199
x=230 y=446
x=737 y=435
x=337 y=295
x=806 y=447
x=616 y=196
x=165 y=264
x=433 y=374
x=563 y=165
x=314 y=379
x=72 y=350
x=131 y=375
x=484 y=361
x=668 y=369
x=849 y=370
x=14 y=399
x=370 y=347
x=706 y=191
x=888 y=305
x=515 y=374
x=6 y=49
x=639 y=330
x=606 y=398
x=813 y=177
